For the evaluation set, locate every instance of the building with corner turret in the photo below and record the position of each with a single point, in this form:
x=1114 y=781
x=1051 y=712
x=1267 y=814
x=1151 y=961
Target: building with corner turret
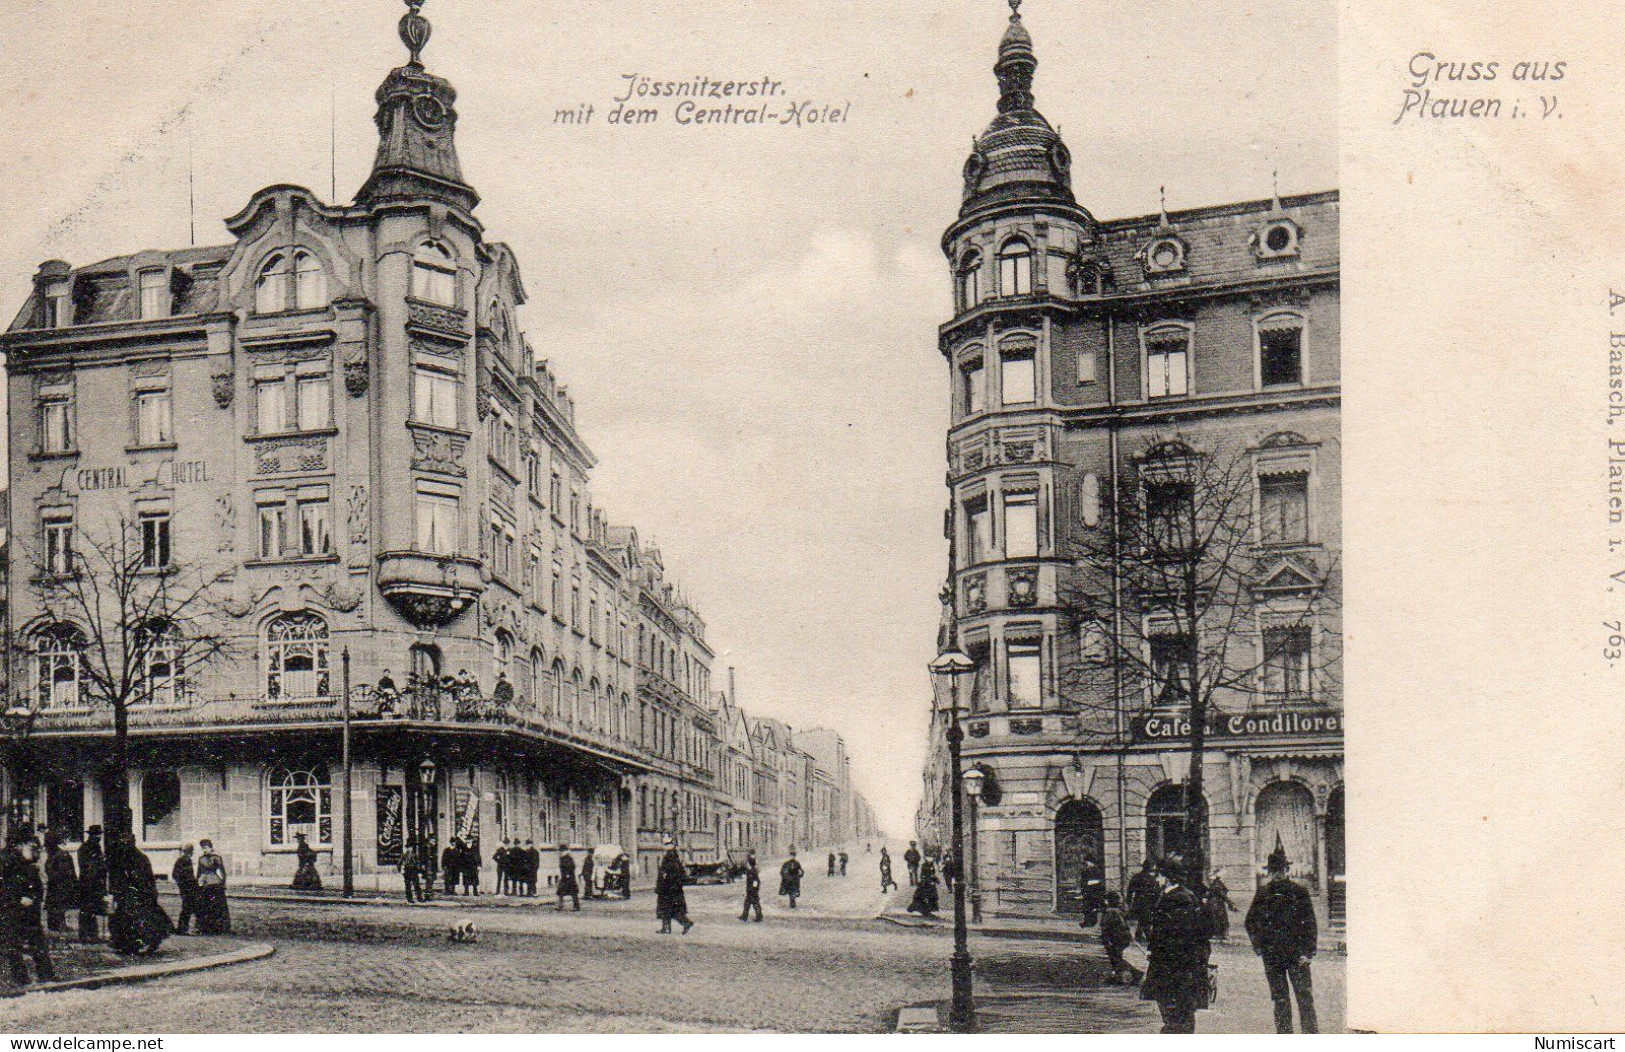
x=1076 y=345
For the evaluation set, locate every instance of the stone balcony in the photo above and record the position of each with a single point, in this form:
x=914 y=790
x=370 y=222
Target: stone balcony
x=429 y=590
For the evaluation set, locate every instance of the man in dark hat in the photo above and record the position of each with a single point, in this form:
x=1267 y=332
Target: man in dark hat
x=753 y=889
x=21 y=895
x=1141 y=895
x=92 y=885
x=1281 y=925
x=911 y=859
x=1178 y=945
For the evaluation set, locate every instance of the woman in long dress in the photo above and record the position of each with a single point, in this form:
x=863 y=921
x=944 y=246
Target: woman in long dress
x=925 y=892
x=305 y=878
x=138 y=925
x=213 y=915
x=671 y=903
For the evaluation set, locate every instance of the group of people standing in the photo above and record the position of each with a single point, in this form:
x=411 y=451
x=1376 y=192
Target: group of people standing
x=1178 y=917
x=202 y=887
x=114 y=881
x=923 y=871
x=518 y=866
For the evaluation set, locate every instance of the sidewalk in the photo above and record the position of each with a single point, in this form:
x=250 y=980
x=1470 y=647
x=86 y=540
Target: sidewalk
x=80 y=966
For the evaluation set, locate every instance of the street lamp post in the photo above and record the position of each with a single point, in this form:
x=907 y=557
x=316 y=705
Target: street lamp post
x=973 y=789
x=962 y=1011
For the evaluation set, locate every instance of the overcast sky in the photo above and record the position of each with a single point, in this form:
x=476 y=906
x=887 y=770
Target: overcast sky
x=745 y=316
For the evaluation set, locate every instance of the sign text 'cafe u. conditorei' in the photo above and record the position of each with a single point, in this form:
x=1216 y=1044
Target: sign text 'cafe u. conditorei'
x=1286 y=723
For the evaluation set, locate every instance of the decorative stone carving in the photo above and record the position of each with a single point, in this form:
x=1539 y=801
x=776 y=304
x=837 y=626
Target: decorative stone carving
x=972 y=459
x=1023 y=587
x=355 y=376
x=359 y=521
x=338 y=596
x=225 y=386
x=976 y=728
x=426 y=611
x=482 y=395
x=151 y=367
x=225 y=520
x=439 y=452
x=432 y=316
x=1020 y=452
x=282 y=455
x=976 y=594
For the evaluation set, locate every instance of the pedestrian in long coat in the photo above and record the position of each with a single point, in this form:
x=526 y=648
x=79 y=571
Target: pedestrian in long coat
x=451 y=864
x=1216 y=897
x=532 y=862
x=886 y=880
x=92 y=885
x=567 y=887
x=753 y=889
x=671 y=903
x=185 y=877
x=790 y=878
x=911 y=859
x=213 y=914
x=22 y=894
x=61 y=885
x=842 y=857
x=471 y=867
x=305 y=877
x=925 y=891
x=1281 y=925
x=586 y=875
x=1143 y=892
x=831 y=864
x=138 y=924
x=1176 y=977
x=1091 y=890
x=1115 y=937
x=502 y=858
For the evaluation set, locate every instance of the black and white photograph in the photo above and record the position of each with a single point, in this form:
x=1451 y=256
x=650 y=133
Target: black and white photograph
x=712 y=517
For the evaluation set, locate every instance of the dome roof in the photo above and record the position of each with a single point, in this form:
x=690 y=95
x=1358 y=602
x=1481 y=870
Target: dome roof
x=1019 y=156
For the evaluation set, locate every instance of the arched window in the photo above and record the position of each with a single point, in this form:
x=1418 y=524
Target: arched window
x=299 y=801
x=296 y=653
x=159 y=648
x=309 y=281
x=575 y=698
x=271 y=287
x=538 y=678
x=1167 y=823
x=434 y=275
x=970 y=279
x=58 y=657
x=626 y=717
x=502 y=653
x=556 y=691
x=594 y=716
x=1015 y=268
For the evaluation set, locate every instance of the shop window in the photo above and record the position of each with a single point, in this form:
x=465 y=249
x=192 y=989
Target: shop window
x=1167 y=823
x=299 y=801
x=160 y=806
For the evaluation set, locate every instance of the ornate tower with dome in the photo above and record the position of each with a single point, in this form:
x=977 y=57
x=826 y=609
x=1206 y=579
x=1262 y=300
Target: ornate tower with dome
x=1075 y=346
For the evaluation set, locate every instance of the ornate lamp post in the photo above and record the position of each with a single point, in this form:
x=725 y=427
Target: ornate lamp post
x=951 y=664
x=973 y=779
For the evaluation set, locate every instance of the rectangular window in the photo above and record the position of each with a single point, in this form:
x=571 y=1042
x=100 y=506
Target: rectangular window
x=315 y=531
x=1020 y=525
x=315 y=403
x=1088 y=366
x=1024 y=665
x=436 y=522
x=271 y=411
x=153 y=294
x=1017 y=377
x=974 y=380
x=154 y=540
x=978 y=530
x=58 y=531
x=1286 y=664
x=153 y=418
x=1280 y=357
x=1283 y=509
x=56 y=425
x=433 y=284
x=434 y=397
x=1167 y=364
x=273 y=527
x=1169 y=510
x=575 y=607
x=1168 y=669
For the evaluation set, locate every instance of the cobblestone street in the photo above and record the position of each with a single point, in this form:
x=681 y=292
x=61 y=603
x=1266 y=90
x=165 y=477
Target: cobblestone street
x=829 y=967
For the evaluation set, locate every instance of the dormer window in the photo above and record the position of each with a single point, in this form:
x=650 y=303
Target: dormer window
x=1276 y=240
x=154 y=294
x=271 y=288
x=58 y=306
x=970 y=280
x=1015 y=268
x=309 y=281
x=434 y=275
x=1165 y=255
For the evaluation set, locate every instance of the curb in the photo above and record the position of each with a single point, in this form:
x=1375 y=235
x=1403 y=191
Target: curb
x=254 y=951
x=991 y=932
x=439 y=902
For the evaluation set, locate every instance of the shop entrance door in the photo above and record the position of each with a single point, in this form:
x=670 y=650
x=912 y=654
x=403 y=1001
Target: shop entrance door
x=1079 y=835
x=1286 y=815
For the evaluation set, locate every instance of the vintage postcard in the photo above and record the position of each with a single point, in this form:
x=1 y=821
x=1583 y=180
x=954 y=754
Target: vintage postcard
x=809 y=518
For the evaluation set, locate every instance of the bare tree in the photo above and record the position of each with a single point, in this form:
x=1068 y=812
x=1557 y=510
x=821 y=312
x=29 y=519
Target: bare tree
x=122 y=623
x=1199 y=591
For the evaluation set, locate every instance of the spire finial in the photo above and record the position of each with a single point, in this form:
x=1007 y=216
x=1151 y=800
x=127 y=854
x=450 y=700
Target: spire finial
x=1162 y=203
x=414 y=31
x=1015 y=9
x=1275 y=187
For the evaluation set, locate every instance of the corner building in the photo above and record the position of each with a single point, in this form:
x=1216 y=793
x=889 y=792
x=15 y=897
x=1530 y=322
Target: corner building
x=339 y=409
x=1075 y=343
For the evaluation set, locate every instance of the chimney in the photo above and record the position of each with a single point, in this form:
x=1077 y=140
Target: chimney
x=733 y=696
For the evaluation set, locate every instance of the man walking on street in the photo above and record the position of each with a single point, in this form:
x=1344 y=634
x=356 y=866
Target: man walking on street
x=21 y=895
x=1142 y=894
x=412 y=874
x=1176 y=977
x=567 y=887
x=831 y=864
x=886 y=880
x=911 y=858
x=1281 y=925
x=586 y=874
x=671 y=903
x=753 y=889
x=843 y=863
x=790 y=878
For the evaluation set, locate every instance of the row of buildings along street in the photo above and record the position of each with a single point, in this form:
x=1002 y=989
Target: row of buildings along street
x=320 y=468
